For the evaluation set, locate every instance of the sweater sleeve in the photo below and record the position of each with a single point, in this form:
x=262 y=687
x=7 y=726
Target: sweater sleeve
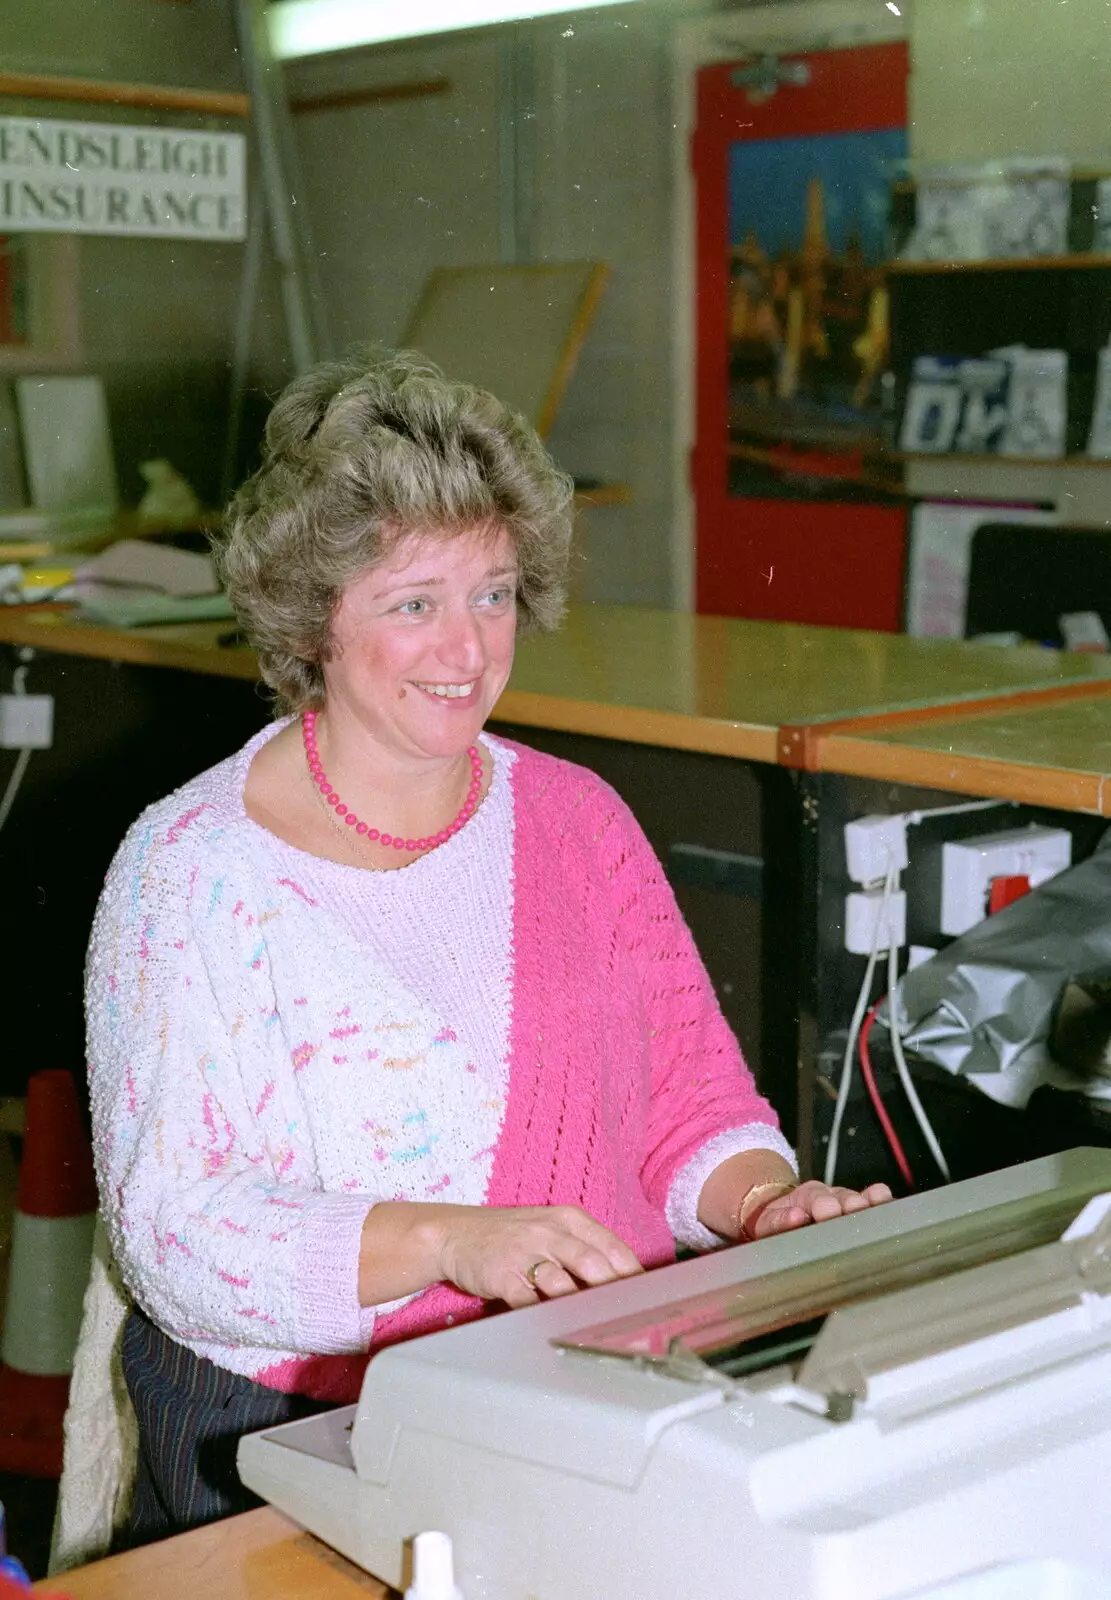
x=703 y=1103
x=209 y=1238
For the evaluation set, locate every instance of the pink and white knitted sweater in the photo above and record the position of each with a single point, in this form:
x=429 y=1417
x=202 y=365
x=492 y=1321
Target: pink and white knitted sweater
x=278 y=1042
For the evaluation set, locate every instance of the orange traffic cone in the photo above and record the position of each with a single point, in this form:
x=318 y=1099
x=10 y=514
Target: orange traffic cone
x=52 y=1241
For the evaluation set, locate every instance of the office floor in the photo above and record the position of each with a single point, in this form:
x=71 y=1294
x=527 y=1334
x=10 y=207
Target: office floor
x=28 y=1502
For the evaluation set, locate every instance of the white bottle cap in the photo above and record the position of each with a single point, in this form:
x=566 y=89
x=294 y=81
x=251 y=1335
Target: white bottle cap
x=433 y=1569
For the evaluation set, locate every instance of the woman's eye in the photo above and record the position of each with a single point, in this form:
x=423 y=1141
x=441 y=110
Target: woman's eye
x=413 y=608
x=499 y=597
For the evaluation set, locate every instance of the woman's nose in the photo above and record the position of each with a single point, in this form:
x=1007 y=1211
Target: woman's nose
x=461 y=643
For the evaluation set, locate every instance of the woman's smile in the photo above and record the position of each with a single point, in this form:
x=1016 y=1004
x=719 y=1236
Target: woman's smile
x=449 y=691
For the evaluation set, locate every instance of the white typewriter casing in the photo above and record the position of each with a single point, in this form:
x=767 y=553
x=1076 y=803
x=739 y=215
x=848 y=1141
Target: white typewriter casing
x=944 y=1437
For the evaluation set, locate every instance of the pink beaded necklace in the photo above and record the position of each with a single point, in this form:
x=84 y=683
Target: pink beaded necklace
x=323 y=783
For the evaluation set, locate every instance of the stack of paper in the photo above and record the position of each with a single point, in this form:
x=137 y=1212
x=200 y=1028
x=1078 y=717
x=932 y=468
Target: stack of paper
x=134 y=583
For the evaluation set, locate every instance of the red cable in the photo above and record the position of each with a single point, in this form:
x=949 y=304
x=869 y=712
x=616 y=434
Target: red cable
x=877 y=1102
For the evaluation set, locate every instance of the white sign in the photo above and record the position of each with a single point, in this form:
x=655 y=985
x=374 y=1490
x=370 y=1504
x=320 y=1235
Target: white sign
x=91 y=177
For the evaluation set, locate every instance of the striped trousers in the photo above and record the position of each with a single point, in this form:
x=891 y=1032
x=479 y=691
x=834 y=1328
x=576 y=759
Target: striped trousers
x=191 y=1416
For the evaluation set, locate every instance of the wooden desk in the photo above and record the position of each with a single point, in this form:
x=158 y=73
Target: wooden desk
x=258 y=1556
x=718 y=685
x=1044 y=755
x=190 y=646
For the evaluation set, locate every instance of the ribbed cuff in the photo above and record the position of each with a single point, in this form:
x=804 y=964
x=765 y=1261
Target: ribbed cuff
x=330 y=1320
x=686 y=1186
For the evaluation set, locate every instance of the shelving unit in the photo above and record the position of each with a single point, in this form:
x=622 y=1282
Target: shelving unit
x=967 y=459
x=140 y=96
x=1081 y=261
x=967 y=308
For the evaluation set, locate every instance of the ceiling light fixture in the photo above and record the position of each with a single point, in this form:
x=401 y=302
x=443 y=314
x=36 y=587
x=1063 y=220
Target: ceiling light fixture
x=311 y=27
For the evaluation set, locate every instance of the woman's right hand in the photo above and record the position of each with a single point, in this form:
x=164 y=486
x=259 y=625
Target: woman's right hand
x=488 y=1251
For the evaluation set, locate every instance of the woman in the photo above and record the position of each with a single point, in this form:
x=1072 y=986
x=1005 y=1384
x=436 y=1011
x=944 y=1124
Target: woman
x=390 y=1022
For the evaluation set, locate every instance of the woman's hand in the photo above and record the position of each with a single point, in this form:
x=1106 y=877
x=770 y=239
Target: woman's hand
x=521 y=1254
x=812 y=1201
x=731 y=1203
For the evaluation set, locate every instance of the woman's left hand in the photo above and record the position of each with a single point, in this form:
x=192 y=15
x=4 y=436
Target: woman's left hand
x=813 y=1201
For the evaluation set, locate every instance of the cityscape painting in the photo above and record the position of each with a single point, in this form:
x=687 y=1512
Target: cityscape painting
x=808 y=302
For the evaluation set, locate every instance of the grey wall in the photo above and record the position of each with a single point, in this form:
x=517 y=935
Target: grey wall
x=133 y=41
x=604 y=152
x=400 y=187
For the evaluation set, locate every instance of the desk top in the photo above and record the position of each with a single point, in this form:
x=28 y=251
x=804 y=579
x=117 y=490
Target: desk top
x=258 y=1556
x=714 y=684
x=1050 y=755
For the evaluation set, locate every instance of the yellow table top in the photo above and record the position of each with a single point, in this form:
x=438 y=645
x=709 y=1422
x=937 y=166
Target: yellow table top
x=715 y=684
x=1052 y=755
x=258 y=1556
x=190 y=645
x=726 y=686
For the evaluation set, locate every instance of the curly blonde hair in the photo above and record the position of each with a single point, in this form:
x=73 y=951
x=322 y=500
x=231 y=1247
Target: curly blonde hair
x=358 y=454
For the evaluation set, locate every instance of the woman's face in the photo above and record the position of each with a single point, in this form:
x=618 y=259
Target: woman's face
x=423 y=643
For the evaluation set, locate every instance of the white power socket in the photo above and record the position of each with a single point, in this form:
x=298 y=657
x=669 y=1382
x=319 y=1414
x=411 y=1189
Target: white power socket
x=865 y=914
x=968 y=867
x=874 y=846
x=26 y=721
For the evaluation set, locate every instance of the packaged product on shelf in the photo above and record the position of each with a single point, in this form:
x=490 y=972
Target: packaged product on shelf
x=1037 y=405
x=1027 y=213
x=991 y=211
x=985 y=385
x=933 y=408
x=949 y=222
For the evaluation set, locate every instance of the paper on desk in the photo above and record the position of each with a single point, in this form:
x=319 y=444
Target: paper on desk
x=139 y=609
x=138 y=564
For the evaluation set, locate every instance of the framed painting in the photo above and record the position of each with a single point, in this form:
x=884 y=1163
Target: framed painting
x=794 y=159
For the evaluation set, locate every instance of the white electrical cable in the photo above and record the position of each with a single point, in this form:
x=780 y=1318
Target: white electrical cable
x=903 y=1070
x=14 y=782
x=857 y=1023
x=913 y=818
x=19 y=686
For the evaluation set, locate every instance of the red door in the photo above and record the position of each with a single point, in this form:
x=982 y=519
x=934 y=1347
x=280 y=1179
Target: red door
x=795 y=519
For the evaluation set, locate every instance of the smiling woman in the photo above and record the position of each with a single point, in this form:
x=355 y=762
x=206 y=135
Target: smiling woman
x=391 y=1020
x=382 y=560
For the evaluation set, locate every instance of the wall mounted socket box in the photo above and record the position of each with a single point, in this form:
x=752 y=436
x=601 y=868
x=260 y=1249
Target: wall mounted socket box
x=26 y=721
x=874 y=846
x=866 y=912
x=968 y=867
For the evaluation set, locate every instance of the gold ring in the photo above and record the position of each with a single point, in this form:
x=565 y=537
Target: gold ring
x=530 y=1275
